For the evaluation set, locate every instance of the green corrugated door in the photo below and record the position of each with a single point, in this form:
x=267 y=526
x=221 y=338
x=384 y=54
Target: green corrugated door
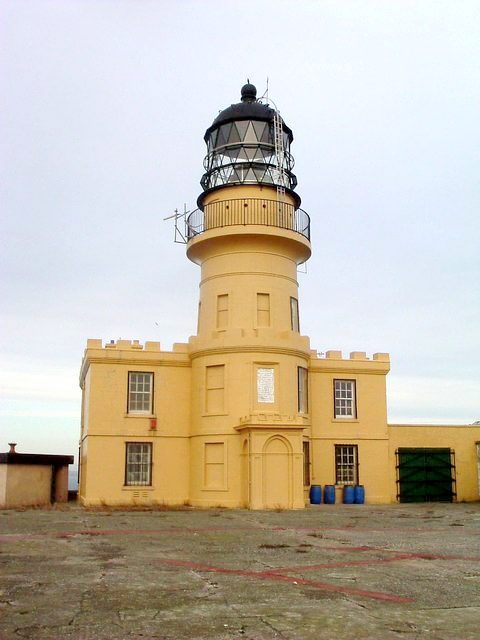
x=425 y=475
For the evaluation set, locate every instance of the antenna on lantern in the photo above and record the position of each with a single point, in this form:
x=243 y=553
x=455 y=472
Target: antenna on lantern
x=181 y=236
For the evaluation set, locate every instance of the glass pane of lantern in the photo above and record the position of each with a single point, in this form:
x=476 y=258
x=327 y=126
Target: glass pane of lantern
x=234 y=137
x=242 y=154
x=259 y=173
x=242 y=128
x=251 y=153
x=225 y=129
x=220 y=139
x=268 y=176
x=232 y=153
x=267 y=155
x=250 y=135
x=267 y=135
x=259 y=128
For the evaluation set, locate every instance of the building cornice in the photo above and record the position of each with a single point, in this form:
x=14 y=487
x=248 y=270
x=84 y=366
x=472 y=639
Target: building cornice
x=249 y=273
x=298 y=353
x=133 y=358
x=343 y=367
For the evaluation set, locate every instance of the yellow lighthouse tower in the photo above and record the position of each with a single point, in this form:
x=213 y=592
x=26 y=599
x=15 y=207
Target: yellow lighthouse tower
x=249 y=361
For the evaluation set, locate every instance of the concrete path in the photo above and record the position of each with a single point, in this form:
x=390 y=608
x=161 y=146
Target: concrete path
x=343 y=571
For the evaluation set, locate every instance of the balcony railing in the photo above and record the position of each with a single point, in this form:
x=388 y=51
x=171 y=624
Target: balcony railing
x=247 y=211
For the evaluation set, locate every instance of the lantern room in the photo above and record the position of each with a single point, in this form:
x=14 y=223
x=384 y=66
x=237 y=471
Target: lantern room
x=248 y=143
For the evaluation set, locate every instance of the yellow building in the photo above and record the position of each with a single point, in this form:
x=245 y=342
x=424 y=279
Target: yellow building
x=246 y=414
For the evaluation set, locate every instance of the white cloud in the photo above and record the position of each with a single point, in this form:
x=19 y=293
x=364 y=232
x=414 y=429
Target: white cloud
x=36 y=382
x=433 y=400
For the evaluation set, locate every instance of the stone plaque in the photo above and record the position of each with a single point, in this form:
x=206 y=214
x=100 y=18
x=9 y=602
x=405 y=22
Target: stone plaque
x=266 y=385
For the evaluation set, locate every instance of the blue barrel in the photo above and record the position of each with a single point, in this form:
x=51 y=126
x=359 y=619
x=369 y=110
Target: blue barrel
x=316 y=494
x=348 y=494
x=329 y=494
x=359 y=492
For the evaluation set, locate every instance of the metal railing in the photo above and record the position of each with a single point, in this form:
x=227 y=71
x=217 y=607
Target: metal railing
x=247 y=211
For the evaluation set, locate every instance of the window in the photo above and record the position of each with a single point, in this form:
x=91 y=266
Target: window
x=263 y=310
x=346 y=464
x=140 y=392
x=138 y=465
x=302 y=377
x=295 y=321
x=345 y=400
x=266 y=385
x=222 y=311
x=215 y=389
x=306 y=464
x=214 y=465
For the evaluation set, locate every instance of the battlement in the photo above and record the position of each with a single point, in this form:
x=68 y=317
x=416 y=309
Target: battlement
x=133 y=345
x=354 y=355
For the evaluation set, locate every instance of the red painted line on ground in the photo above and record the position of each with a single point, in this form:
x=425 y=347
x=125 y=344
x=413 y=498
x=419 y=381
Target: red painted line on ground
x=268 y=575
x=339 y=565
x=354 y=549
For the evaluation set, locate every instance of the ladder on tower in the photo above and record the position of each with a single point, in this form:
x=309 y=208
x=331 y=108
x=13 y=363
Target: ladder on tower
x=280 y=165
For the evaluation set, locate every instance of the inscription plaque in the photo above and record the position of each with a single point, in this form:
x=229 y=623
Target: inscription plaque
x=266 y=385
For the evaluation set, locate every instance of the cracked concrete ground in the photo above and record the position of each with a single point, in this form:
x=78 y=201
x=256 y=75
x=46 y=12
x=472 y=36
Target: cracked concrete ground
x=349 y=571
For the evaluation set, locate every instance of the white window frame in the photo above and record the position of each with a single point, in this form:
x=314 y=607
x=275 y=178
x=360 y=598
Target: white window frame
x=346 y=464
x=345 y=399
x=138 y=464
x=307 y=455
x=302 y=389
x=294 y=314
x=137 y=393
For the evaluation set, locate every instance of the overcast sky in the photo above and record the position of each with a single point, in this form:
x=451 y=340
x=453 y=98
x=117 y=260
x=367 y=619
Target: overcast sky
x=104 y=104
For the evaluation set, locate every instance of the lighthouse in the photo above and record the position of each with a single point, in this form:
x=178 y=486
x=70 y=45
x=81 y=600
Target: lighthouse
x=249 y=360
x=244 y=414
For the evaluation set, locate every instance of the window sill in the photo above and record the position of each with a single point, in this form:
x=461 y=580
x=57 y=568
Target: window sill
x=137 y=487
x=347 y=420
x=139 y=415
x=208 y=415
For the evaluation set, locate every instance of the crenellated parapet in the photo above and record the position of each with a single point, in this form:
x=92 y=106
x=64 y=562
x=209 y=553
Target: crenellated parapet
x=357 y=362
x=133 y=352
x=134 y=345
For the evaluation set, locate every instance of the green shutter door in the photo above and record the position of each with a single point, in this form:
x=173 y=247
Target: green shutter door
x=425 y=475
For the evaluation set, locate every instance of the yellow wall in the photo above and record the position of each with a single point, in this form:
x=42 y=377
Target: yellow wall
x=461 y=438
x=368 y=430
x=3 y=485
x=102 y=458
x=27 y=485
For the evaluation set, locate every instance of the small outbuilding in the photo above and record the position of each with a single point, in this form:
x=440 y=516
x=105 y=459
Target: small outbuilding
x=31 y=479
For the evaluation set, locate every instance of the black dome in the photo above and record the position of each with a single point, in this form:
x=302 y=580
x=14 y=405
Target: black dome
x=249 y=92
x=248 y=109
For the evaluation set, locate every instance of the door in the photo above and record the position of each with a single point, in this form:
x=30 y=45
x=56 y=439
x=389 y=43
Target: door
x=425 y=475
x=276 y=474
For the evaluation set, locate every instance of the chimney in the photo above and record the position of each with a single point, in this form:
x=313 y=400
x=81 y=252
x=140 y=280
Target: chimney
x=12 y=446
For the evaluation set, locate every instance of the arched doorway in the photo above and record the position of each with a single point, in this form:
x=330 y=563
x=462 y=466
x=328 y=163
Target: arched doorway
x=277 y=481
